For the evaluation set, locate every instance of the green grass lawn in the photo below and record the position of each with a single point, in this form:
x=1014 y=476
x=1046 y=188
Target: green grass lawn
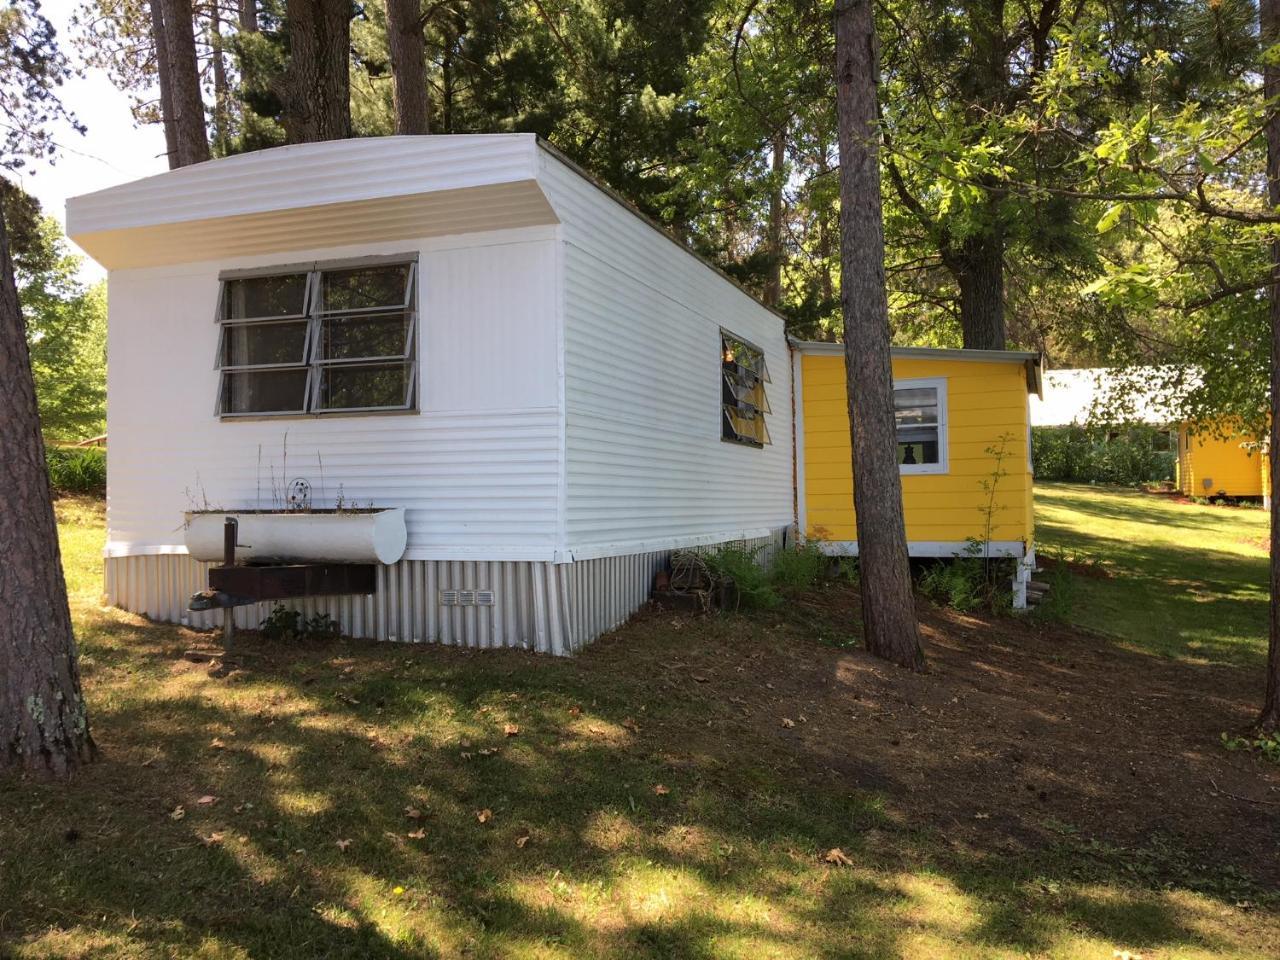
x=1177 y=578
x=355 y=800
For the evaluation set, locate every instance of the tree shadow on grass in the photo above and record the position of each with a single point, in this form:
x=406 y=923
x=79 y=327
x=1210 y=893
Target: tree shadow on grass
x=326 y=761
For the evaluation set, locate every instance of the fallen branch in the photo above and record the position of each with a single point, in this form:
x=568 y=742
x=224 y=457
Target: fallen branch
x=1236 y=796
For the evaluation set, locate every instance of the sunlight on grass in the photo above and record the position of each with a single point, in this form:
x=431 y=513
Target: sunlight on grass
x=1175 y=578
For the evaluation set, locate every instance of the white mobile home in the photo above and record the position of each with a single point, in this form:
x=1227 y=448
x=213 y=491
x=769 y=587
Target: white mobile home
x=467 y=327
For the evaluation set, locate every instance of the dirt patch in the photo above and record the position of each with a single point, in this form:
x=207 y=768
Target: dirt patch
x=1259 y=543
x=1017 y=736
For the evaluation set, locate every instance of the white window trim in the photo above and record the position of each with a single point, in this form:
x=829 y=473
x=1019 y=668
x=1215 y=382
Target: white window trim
x=943 y=466
x=314 y=315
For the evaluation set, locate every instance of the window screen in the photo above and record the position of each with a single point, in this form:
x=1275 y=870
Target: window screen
x=920 y=415
x=743 y=400
x=318 y=341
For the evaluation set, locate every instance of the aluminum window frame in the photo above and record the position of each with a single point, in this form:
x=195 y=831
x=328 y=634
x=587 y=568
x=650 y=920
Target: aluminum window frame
x=315 y=317
x=943 y=466
x=729 y=433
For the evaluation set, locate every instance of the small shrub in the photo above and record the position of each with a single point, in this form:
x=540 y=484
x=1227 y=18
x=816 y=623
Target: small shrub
x=738 y=569
x=847 y=569
x=960 y=583
x=798 y=569
x=80 y=470
x=283 y=624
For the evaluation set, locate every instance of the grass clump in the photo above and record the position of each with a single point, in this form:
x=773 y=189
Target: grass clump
x=79 y=470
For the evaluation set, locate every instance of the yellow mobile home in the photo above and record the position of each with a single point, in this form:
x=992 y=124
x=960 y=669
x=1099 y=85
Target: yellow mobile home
x=963 y=449
x=1213 y=465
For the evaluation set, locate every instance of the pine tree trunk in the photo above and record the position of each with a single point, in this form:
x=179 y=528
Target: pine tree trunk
x=249 y=16
x=221 y=89
x=162 y=73
x=44 y=724
x=317 y=82
x=978 y=266
x=192 y=139
x=1269 y=29
x=888 y=607
x=773 y=285
x=408 y=66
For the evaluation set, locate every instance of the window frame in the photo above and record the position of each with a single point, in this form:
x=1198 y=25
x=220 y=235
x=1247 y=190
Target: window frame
x=722 y=381
x=943 y=466
x=315 y=317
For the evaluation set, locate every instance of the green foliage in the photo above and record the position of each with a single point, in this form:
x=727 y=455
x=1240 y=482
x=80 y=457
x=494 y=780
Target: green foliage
x=77 y=470
x=1267 y=745
x=961 y=583
x=283 y=624
x=1057 y=604
x=738 y=569
x=1077 y=454
x=798 y=568
x=66 y=326
x=750 y=584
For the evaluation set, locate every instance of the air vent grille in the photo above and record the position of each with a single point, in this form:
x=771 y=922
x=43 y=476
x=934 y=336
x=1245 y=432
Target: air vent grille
x=467 y=598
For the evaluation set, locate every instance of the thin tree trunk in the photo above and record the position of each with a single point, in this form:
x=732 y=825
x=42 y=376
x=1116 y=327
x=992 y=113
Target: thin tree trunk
x=888 y=607
x=192 y=139
x=249 y=16
x=317 y=81
x=221 y=89
x=44 y=723
x=407 y=47
x=773 y=285
x=1269 y=28
x=162 y=72
x=978 y=267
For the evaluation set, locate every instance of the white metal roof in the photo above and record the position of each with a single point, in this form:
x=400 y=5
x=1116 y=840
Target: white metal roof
x=370 y=189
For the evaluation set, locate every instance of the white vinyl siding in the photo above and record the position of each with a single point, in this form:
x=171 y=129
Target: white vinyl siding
x=477 y=467
x=646 y=468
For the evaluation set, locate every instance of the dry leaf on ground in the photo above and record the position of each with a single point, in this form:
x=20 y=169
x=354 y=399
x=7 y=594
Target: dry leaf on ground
x=838 y=857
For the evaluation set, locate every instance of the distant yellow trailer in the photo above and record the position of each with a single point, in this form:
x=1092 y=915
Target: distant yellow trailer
x=963 y=451
x=1221 y=462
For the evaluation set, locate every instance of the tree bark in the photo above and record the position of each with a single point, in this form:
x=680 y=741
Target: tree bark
x=221 y=89
x=407 y=47
x=978 y=268
x=888 y=607
x=162 y=72
x=44 y=723
x=317 y=81
x=249 y=16
x=773 y=284
x=191 y=137
x=1269 y=30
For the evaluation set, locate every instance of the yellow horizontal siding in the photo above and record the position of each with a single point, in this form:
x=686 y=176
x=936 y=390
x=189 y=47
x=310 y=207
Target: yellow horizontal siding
x=984 y=400
x=1209 y=465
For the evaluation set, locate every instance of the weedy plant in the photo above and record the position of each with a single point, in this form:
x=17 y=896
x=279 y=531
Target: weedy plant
x=287 y=625
x=1268 y=745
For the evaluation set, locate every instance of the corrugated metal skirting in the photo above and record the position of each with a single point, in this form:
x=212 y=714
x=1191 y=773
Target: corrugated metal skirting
x=553 y=608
